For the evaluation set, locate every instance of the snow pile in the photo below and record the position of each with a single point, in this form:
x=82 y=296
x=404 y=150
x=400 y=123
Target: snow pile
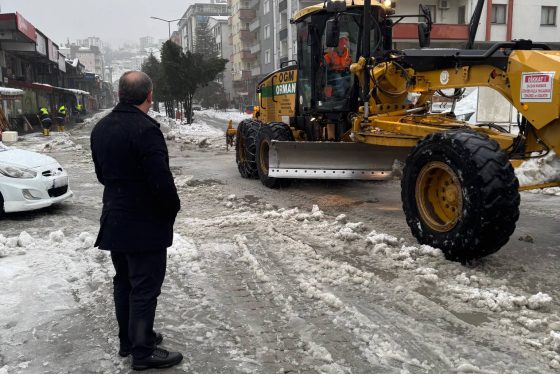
x=60 y=142
x=198 y=133
x=183 y=255
x=350 y=231
x=316 y=214
x=96 y=117
x=165 y=122
x=236 y=116
x=555 y=340
x=468 y=104
x=540 y=170
x=14 y=246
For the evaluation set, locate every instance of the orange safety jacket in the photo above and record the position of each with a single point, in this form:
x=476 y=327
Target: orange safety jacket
x=337 y=62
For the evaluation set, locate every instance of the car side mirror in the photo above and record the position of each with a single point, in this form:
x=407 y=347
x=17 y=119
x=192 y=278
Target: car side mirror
x=423 y=35
x=332 y=33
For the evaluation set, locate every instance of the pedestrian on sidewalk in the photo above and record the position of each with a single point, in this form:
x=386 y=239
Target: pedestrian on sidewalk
x=140 y=203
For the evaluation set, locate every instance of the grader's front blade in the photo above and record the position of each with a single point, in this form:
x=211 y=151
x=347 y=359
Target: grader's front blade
x=330 y=160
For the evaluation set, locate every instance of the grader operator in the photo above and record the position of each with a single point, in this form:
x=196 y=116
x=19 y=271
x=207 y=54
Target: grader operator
x=459 y=189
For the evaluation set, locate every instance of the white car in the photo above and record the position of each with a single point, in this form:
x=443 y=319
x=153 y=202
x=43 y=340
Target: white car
x=30 y=180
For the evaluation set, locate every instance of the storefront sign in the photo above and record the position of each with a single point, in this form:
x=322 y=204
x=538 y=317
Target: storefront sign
x=61 y=63
x=25 y=27
x=41 y=44
x=53 y=51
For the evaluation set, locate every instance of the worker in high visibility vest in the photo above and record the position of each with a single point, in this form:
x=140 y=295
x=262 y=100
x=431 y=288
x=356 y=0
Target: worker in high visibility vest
x=338 y=61
x=46 y=121
x=79 y=110
x=339 y=58
x=61 y=118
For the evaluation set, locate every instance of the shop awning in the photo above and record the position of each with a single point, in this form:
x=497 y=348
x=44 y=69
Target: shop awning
x=6 y=91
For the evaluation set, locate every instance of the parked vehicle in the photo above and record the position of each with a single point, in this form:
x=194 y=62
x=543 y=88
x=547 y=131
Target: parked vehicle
x=30 y=180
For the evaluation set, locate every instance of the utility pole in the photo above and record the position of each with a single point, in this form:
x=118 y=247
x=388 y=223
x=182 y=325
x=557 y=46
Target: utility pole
x=168 y=22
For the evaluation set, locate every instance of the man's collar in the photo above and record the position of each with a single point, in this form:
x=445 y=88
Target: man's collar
x=127 y=108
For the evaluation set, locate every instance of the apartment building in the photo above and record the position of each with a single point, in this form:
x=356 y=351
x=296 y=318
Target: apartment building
x=262 y=39
x=146 y=42
x=219 y=28
x=502 y=20
x=195 y=15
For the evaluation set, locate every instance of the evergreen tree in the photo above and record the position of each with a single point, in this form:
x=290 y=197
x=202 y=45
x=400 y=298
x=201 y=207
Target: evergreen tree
x=186 y=72
x=154 y=69
x=205 y=44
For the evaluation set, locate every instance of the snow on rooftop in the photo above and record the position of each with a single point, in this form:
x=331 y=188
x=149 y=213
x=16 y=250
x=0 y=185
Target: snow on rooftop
x=73 y=62
x=220 y=18
x=6 y=91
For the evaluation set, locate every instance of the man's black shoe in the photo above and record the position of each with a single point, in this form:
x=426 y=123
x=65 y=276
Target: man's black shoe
x=126 y=350
x=159 y=359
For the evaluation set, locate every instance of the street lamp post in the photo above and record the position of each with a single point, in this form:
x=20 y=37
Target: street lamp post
x=168 y=22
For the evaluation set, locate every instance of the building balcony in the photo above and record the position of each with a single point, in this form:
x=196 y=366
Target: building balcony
x=255 y=48
x=255 y=72
x=242 y=75
x=283 y=34
x=247 y=14
x=254 y=25
x=246 y=36
x=282 y=6
x=441 y=32
x=246 y=55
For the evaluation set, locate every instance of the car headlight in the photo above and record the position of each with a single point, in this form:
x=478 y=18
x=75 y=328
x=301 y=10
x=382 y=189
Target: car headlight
x=17 y=172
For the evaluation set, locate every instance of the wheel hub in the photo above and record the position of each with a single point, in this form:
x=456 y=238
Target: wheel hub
x=439 y=197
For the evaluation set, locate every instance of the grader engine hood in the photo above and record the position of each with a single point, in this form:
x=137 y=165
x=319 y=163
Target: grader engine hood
x=535 y=80
x=277 y=95
x=535 y=85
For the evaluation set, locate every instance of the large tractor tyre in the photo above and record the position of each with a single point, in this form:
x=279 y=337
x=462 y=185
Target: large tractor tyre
x=246 y=148
x=268 y=133
x=460 y=194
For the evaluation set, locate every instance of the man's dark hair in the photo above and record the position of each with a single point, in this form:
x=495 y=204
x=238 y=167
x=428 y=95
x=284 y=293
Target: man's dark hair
x=134 y=87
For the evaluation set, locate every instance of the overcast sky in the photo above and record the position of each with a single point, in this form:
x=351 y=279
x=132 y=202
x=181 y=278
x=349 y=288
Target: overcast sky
x=114 y=21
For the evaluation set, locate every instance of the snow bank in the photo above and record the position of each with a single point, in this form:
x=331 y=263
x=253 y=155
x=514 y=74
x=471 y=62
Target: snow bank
x=60 y=142
x=540 y=170
x=198 y=133
x=165 y=122
x=96 y=117
x=236 y=116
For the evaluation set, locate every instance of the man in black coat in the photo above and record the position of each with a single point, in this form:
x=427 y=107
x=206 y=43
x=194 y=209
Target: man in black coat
x=140 y=203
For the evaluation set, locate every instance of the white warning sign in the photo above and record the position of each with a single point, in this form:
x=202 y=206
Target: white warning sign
x=537 y=87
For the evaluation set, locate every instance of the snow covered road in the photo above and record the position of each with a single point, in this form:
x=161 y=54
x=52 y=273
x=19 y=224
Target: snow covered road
x=319 y=278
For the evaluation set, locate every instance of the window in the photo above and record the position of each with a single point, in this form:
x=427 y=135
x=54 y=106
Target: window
x=266 y=32
x=267 y=56
x=266 y=6
x=499 y=14
x=462 y=15
x=548 y=16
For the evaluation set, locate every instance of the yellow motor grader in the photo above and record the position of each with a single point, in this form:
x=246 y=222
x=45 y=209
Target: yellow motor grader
x=459 y=189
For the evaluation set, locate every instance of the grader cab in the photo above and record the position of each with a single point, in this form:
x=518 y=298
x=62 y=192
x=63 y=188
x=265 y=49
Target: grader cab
x=318 y=118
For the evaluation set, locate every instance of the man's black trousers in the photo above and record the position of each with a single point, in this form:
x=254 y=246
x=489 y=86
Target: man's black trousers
x=137 y=284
